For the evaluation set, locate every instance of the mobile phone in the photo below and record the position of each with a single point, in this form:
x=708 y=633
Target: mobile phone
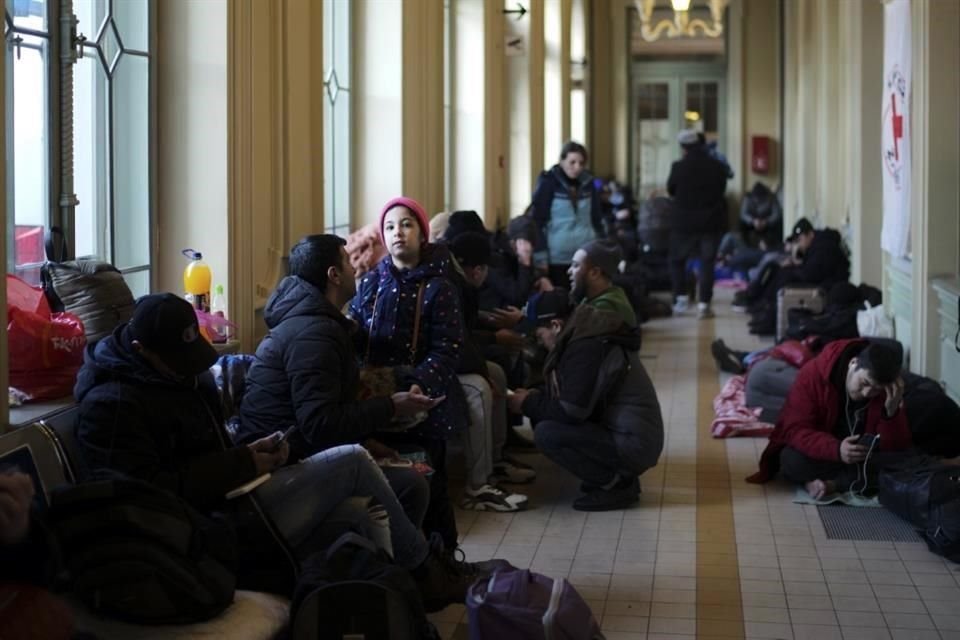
x=283 y=438
x=869 y=440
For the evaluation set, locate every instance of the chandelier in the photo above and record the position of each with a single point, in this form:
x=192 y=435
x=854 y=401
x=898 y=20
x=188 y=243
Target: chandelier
x=682 y=25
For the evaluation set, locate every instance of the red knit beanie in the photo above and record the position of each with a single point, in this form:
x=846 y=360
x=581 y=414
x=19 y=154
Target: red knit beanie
x=414 y=207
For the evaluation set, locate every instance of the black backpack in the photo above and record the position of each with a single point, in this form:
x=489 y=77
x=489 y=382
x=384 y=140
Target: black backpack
x=93 y=290
x=927 y=496
x=138 y=553
x=354 y=590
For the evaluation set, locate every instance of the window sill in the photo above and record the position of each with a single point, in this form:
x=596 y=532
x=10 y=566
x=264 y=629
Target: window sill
x=29 y=413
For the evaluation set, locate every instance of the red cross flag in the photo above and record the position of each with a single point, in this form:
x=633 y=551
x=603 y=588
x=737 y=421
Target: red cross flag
x=895 y=128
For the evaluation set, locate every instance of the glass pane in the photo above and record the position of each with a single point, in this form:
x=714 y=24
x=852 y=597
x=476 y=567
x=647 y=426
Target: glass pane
x=132 y=18
x=341 y=41
x=90 y=16
x=328 y=35
x=31 y=14
x=337 y=162
x=90 y=156
x=131 y=161
x=31 y=139
x=139 y=282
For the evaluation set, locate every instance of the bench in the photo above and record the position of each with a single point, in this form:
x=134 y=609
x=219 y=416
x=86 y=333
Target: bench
x=47 y=450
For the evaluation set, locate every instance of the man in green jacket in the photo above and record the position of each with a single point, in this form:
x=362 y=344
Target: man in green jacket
x=591 y=272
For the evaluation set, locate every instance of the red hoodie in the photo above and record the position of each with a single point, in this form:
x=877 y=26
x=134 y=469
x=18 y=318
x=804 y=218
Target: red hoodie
x=812 y=410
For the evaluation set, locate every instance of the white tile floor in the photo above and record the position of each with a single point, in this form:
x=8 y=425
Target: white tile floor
x=638 y=568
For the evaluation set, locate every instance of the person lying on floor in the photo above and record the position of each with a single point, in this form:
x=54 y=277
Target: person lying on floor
x=598 y=415
x=841 y=400
x=149 y=409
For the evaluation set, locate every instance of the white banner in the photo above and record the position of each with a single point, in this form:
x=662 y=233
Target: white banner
x=895 y=138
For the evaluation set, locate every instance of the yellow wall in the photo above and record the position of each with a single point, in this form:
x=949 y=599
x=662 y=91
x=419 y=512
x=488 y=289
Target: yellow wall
x=761 y=87
x=192 y=140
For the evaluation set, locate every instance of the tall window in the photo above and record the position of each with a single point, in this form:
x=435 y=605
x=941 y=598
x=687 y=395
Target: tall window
x=336 y=116
x=83 y=164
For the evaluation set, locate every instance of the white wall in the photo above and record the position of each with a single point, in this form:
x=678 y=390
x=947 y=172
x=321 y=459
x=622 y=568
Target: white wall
x=192 y=138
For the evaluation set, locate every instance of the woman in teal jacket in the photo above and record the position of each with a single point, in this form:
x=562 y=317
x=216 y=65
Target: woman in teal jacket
x=566 y=207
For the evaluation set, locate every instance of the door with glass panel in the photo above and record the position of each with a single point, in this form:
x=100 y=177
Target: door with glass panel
x=666 y=98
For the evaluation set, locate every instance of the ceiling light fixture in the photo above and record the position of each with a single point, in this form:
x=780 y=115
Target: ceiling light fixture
x=681 y=25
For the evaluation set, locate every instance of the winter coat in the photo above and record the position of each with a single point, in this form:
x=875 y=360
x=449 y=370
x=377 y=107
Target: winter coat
x=137 y=421
x=812 y=410
x=306 y=373
x=762 y=204
x=508 y=282
x=615 y=299
x=825 y=263
x=594 y=374
x=569 y=213
x=697 y=183
x=385 y=307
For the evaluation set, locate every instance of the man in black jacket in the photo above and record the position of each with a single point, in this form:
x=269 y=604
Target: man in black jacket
x=149 y=409
x=822 y=262
x=697 y=183
x=598 y=415
x=306 y=372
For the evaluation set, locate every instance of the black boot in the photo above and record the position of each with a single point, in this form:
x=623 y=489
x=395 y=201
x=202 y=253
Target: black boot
x=726 y=358
x=623 y=494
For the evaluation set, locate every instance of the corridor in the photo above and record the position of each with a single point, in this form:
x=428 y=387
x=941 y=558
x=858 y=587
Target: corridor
x=706 y=555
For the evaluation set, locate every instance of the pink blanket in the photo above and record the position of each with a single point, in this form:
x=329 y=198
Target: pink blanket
x=734 y=417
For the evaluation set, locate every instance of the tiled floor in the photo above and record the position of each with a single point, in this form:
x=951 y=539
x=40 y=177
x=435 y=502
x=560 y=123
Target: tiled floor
x=705 y=554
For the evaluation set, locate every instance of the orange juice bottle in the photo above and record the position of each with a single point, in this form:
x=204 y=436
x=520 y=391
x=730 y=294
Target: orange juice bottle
x=196 y=279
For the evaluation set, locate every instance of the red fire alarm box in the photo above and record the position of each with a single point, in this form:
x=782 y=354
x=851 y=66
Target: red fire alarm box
x=761 y=154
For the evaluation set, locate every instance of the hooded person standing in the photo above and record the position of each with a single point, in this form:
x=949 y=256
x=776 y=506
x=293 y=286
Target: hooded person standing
x=697 y=184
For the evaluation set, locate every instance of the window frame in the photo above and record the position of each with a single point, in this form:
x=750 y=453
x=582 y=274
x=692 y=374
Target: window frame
x=61 y=188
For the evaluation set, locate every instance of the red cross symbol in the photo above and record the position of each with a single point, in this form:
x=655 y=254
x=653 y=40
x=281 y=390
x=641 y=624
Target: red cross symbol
x=897 y=121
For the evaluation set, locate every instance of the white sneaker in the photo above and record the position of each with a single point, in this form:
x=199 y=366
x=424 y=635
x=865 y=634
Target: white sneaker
x=512 y=471
x=489 y=498
x=704 y=311
x=682 y=305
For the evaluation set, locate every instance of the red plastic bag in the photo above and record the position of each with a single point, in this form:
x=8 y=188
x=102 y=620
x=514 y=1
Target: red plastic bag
x=45 y=349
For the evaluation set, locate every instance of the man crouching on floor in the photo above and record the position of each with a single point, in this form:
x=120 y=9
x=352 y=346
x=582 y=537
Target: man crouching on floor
x=842 y=421
x=598 y=416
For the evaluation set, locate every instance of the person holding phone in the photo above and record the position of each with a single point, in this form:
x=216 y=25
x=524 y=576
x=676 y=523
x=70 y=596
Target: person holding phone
x=842 y=419
x=305 y=371
x=149 y=409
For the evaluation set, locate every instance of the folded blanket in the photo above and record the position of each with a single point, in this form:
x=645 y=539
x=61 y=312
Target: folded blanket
x=733 y=416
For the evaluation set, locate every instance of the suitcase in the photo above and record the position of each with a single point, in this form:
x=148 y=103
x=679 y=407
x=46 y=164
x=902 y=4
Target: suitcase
x=811 y=298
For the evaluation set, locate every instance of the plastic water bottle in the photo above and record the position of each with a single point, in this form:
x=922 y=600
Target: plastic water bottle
x=196 y=279
x=218 y=308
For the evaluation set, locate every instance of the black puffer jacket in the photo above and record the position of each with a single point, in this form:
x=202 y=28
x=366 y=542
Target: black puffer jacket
x=697 y=183
x=824 y=264
x=134 y=420
x=306 y=373
x=594 y=374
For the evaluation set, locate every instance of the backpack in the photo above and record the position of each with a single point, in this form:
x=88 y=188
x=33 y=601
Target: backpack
x=928 y=497
x=94 y=291
x=353 y=590
x=522 y=605
x=138 y=553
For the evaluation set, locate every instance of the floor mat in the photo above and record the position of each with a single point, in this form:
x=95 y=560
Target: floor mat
x=876 y=525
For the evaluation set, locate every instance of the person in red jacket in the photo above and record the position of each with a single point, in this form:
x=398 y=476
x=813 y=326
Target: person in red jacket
x=852 y=388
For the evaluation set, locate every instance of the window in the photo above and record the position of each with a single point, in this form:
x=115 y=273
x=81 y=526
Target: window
x=336 y=116
x=86 y=165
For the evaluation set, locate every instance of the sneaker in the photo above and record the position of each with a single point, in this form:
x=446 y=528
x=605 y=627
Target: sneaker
x=704 y=312
x=681 y=306
x=619 y=497
x=489 y=498
x=442 y=580
x=478 y=570
x=511 y=471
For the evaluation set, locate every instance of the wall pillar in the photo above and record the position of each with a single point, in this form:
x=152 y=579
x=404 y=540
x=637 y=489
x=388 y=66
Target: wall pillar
x=275 y=145
x=423 y=133
x=600 y=100
x=536 y=79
